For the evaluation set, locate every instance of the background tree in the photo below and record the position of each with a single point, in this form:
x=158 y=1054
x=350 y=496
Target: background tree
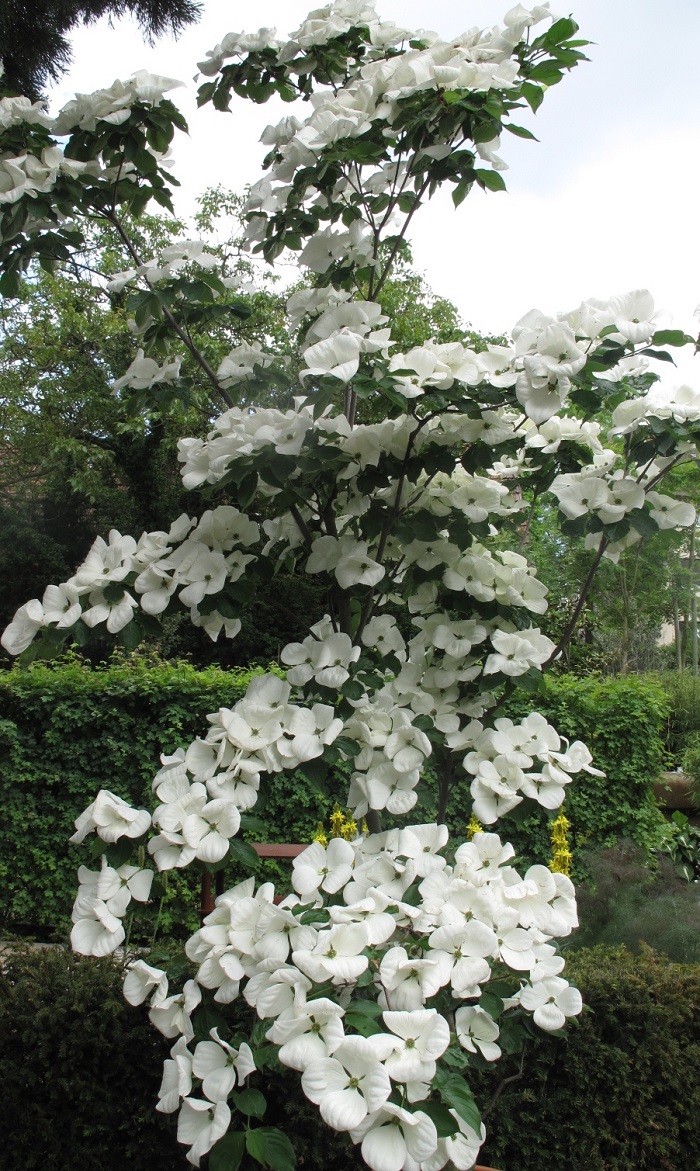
x=34 y=34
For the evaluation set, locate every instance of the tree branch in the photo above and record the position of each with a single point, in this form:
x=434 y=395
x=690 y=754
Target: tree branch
x=172 y=321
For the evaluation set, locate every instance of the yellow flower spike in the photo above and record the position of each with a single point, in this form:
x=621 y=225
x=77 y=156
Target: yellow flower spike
x=561 y=854
x=349 y=830
x=365 y=827
x=474 y=826
x=337 y=821
x=320 y=835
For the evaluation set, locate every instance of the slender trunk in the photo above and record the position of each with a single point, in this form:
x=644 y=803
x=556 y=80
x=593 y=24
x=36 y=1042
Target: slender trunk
x=677 y=632
x=693 y=606
x=625 y=641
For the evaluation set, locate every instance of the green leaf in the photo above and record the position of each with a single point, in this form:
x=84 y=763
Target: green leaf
x=456 y=1093
x=671 y=337
x=271 y=1148
x=660 y=355
x=226 y=1155
x=251 y=1103
x=490 y=180
x=519 y=131
x=461 y=191
x=347 y=746
x=533 y=94
x=642 y=522
x=561 y=30
x=241 y=852
x=445 y=1123
x=368 y=1008
x=530 y=682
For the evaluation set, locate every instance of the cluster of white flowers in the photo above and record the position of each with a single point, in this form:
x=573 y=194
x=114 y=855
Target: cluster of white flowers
x=500 y=756
x=193 y=560
x=36 y=171
x=113 y=105
x=370 y=93
x=349 y=926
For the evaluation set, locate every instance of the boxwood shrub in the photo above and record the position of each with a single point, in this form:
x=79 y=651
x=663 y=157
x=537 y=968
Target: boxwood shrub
x=621 y=1090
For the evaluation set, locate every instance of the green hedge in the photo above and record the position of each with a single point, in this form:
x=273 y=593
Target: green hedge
x=80 y=1071
x=623 y=722
x=67 y=730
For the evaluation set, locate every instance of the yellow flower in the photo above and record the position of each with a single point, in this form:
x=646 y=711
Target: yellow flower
x=320 y=835
x=474 y=826
x=561 y=854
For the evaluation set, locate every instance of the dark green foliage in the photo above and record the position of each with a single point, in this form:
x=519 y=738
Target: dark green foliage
x=80 y=1070
x=622 y=1091
x=36 y=49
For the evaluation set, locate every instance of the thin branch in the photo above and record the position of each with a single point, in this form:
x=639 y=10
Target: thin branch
x=172 y=321
x=302 y=526
x=507 y=1081
x=571 y=624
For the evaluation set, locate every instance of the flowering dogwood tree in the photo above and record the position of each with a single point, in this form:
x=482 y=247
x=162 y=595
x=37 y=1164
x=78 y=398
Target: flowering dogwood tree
x=398 y=961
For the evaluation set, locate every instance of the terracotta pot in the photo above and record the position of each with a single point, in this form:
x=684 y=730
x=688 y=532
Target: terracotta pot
x=478 y=1167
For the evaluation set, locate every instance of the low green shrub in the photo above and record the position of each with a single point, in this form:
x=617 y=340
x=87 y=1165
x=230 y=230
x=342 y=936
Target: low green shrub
x=621 y=1091
x=80 y=1070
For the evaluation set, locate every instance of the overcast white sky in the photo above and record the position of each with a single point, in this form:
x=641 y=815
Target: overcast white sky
x=606 y=201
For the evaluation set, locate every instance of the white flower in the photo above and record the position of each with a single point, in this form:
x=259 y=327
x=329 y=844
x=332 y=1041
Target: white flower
x=172 y=1014
x=140 y=979
x=21 y=631
x=517 y=653
x=551 y=1001
x=395 y=1138
x=421 y=1036
x=96 y=931
x=477 y=1030
x=220 y=1066
x=348 y=1086
x=200 y=1125
x=325 y=869
x=177 y=1078
x=670 y=513
x=112 y=818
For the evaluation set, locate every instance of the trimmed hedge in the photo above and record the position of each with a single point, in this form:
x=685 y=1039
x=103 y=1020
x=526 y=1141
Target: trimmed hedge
x=622 y=721
x=67 y=730
x=80 y=1071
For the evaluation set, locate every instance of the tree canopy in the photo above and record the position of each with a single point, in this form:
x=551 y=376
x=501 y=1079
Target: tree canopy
x=34 y=36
